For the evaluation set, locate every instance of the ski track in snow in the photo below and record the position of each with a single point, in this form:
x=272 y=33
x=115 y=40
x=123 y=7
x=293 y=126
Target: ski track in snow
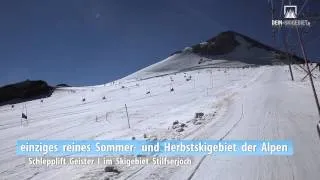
x=252 y=103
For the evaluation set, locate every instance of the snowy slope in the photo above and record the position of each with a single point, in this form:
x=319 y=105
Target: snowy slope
x=274 y=108
x=227 y=50
x=270 y=107
x=182 y=62
x=208 y=81
x=65 y=116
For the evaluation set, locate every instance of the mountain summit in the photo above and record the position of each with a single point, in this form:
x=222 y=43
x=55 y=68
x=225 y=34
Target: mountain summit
x=227 y=50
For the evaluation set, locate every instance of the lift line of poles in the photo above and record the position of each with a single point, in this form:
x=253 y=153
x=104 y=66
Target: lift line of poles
x=302 y=46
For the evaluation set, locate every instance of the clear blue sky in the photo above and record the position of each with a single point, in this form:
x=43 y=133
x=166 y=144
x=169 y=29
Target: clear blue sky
x=88 y=42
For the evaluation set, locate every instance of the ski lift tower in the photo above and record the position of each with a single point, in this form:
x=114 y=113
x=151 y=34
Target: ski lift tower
x=292 y=14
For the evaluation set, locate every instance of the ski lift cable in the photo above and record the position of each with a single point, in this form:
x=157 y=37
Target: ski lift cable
x=271 y=2
x=306 y=42
x=271 y=7
x=311 y=79
x=272 y=17
x=302 y=7
x=281 y=9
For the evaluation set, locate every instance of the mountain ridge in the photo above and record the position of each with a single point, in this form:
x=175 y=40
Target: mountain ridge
x=227 y=49
x=227 y=38
x=24 y=91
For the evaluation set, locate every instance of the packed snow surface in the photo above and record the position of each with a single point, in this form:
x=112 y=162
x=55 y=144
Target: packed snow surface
x=259 y=103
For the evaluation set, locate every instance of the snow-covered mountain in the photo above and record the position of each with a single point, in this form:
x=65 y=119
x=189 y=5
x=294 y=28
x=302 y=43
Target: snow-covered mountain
x=254 y=103
x=228 y=49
